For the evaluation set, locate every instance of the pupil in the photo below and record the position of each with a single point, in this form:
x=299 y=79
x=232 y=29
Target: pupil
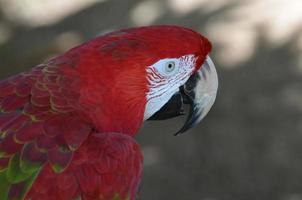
x=170 y=66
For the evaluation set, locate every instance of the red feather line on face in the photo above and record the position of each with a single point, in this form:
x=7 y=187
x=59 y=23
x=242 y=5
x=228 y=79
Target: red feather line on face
x=57 y=120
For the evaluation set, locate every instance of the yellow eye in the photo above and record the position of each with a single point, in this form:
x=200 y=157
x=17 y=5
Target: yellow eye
x=170 y=66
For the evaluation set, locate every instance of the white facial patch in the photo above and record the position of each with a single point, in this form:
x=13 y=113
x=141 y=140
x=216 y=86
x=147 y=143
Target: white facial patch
x=164 y=78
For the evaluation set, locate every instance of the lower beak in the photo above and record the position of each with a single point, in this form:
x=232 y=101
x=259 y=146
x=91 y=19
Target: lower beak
x=199 y=92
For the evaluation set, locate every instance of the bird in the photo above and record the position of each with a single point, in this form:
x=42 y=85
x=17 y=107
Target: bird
x=68 y=125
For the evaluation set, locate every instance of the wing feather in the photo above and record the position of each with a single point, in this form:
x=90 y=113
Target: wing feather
x=44 y=131
x=38 y=125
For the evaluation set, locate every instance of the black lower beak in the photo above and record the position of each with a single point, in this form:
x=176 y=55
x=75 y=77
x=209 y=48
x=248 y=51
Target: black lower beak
x=189 y=94
x=199 y=92
x=173 y=108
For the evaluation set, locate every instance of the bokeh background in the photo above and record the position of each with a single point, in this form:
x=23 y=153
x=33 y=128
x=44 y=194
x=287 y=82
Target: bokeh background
x=249 y=146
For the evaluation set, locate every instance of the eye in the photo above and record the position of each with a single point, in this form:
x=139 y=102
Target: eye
x=170 y=67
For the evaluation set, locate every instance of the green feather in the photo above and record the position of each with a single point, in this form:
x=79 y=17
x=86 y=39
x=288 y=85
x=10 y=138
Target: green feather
x=29 y=166
x=13 y=177
x=4 y=186
x=26 y=185
x=118 y=197
x=14 y=173
x=57 y=168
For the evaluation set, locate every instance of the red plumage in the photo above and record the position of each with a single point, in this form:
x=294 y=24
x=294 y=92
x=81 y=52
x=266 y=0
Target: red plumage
x=106 y=165
x=72 y=119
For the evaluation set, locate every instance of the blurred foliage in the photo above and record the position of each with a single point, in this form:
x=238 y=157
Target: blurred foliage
x=249 y=146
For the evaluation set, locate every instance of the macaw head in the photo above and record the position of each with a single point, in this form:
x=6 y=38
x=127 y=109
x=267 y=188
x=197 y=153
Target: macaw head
x=148 y=73
x=198 y=91
x=185 y=74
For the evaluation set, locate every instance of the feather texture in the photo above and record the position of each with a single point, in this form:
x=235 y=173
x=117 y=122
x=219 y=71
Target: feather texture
x=44 y=139
x=67 y=126
x=36 y=128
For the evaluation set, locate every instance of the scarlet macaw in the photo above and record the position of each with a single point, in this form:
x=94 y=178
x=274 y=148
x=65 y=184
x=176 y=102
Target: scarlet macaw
x=67 y=126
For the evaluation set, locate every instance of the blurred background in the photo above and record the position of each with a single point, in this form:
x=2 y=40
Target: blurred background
x=249 y=146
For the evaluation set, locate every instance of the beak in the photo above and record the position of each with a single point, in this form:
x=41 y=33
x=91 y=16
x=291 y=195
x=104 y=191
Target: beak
x=173 y=108
x=199 y=92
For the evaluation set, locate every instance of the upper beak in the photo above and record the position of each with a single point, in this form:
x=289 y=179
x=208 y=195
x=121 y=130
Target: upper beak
x=199 y=92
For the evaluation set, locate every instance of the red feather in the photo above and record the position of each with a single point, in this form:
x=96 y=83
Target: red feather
x=96 y=171
x=74 y=117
